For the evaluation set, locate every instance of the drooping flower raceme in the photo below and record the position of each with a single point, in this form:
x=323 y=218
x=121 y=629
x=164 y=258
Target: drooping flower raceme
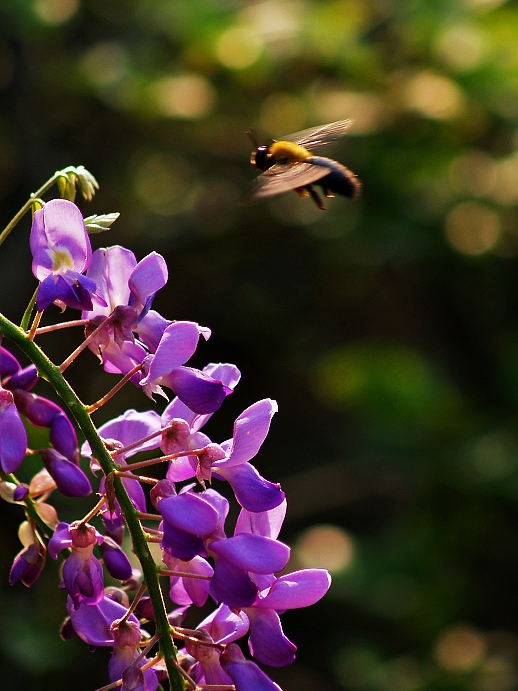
x=204 y=557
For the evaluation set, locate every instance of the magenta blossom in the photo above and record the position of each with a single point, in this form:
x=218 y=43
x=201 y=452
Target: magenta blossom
x=245 y=674
x=267 y=642
x=124 y=662
x=61 y=253
x=200 y=392
x=222 y=626
x=82 y=571
x=128 y=289
x=92 y=623
x=228 y=461
x=13 y=437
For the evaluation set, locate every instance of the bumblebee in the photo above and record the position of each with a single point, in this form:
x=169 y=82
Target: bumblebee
x=289 y=164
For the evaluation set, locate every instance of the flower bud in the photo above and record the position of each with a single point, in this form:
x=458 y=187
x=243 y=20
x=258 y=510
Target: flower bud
x=67 y=630
x=135 y=581
x=13 y=437
x=115 y=560
x=23 y=379
x=28 y=564
x=200 y=652
x=82 y=534
x=145 y=608
x=69 y=478
x=162 y=489
x=126 y=633
x=114 y=527
x=21 y=493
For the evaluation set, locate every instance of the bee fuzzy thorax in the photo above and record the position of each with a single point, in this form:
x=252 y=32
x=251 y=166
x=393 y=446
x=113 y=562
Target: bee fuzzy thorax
x=288 y=152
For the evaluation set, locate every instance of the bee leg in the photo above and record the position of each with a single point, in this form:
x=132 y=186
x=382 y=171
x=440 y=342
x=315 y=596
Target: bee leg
x=327 y=194
x=302 y=191
x=315 y=197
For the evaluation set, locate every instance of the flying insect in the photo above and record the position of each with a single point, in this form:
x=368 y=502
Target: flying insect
x=289 y=164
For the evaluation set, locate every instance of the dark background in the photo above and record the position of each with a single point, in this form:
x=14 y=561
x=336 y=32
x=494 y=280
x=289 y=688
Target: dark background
x=386 y=328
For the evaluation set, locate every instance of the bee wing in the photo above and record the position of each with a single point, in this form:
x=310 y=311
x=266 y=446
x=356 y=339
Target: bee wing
x=315 y=137
x=281 y=178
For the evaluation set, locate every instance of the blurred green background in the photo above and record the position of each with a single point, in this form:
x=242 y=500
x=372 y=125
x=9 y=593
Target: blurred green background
x=386 y=327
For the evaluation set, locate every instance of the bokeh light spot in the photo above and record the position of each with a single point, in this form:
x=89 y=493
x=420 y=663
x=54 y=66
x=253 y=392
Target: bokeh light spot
x=460 y=649
x=472 y=228
x=105 y=64
x=484 y=4
x=238 y=48
x=325 y=546
x=189 y=96
x=461 y=47
x=282 y=114
x=506 y=187
x=497 y=674
x=395 y=385
x=473 y=172
x=433 y=95
x=364 y=109
x=55 y=12
x=273 y=20
x=493 y=456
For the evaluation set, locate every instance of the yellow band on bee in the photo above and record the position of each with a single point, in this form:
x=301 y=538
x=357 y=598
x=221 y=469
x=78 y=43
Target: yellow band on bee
x=288 y=150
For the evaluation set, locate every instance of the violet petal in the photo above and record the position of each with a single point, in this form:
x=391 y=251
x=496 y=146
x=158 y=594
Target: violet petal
x=252 y=491
x=253 y=553
x=267 y=641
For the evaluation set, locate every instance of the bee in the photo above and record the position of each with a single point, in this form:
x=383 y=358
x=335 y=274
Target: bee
x=289 y=164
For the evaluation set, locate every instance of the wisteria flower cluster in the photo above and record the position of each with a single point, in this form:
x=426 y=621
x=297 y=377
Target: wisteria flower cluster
x=241 y=570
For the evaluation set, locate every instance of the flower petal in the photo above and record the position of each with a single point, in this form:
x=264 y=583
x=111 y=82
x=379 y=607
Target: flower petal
x=252 y=491
x=253 y=553
x=267 y=641
x=250 y=430
x=298 y=589
x=13 y=437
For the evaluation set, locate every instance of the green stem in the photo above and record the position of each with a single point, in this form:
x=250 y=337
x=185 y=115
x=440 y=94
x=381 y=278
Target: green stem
x=21 y=213
x=24 y=324
x=51 y=373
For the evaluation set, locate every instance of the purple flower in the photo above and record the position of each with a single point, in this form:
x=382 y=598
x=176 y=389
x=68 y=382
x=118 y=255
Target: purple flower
x=222 y=626
x=123 y=662
x=28 y=564
x=44 y=413
x=267 y=643
x=189 y=520
x=237 y=559
x=185 y=590
x=39 y=411
x=124 y=282
x=115 y=560
x=228 y=461
x=128 y=289
x=246 y=675
x=200 y=392
x=13 y=437
x=126 y=430
x=82 y=571
x=69 y=478
x=92 y=623
x=61 y=252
